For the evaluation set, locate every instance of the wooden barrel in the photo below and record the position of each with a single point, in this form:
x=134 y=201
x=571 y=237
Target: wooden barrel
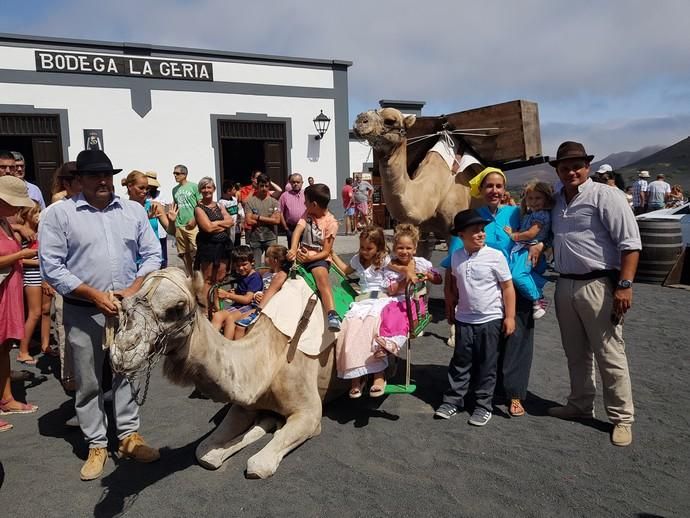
x=662 y=243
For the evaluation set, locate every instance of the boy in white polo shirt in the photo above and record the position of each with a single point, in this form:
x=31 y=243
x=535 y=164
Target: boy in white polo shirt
x=484 y=298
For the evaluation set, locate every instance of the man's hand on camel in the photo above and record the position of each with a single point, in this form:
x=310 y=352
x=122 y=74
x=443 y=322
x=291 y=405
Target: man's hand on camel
x=104 y=303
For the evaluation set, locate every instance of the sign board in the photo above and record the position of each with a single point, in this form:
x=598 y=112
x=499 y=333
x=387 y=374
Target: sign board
x=93 y=139
x=101 y=64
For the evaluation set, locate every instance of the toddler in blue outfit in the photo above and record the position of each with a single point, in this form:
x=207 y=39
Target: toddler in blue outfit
x=535 y=226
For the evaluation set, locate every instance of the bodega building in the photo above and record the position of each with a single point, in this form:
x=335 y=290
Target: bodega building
x=150 y=107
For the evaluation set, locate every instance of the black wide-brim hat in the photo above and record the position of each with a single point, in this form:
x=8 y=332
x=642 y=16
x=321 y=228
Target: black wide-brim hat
x=94 y=161
x=465 y=218
x=570 y=149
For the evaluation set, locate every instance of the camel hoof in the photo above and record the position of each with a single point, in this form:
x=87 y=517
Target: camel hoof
x=256 y=468
x=210 y=461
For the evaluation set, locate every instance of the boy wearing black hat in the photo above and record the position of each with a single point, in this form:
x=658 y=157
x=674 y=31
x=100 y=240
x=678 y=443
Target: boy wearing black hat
x=483 y=294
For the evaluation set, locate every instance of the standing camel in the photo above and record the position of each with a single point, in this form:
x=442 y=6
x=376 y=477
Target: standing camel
x=164 y=319
x=434 y=193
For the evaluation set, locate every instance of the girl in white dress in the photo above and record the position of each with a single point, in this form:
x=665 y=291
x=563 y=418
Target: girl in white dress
x=354 y=359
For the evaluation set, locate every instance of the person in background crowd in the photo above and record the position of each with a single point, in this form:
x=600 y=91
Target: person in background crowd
x=33 y=293
x=362 y=192
x=676 y=198
x=65 y=185
x=596 y=250
x=65 y=182
x=348 y=206
x=291 y=205
x=186 y=196
x=7 y=163
x=20 y=172
x=13 y=196
x=639 y=193
x=310 y=180
x=658 y=192
x=508 y=199
x=111 y=248
x=156 y=198
x=228 y=199
x=213 y=241
x=262 y=214
x=138 y=185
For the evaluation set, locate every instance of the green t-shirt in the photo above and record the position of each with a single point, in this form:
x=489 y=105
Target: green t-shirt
x=186 y=196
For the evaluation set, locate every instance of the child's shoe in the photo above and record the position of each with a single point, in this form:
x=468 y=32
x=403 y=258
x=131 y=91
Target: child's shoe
x=249 y=319
x=539 y=308
x=333 y=321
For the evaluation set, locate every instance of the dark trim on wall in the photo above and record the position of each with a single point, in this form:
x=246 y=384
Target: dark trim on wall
x=141 y=88
x=145 y=49
x=31 y=109
x=341 y=133
x=251 y=117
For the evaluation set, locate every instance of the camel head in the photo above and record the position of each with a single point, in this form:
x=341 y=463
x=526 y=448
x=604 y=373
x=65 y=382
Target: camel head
x=157 y=320
x=384 y=129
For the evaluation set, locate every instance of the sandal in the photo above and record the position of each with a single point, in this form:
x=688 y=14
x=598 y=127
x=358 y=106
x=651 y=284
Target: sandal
x=5 y=426
x=30 y=361
x=24 y=408
x=516 y=409
x=377 y=390
x=356 y=392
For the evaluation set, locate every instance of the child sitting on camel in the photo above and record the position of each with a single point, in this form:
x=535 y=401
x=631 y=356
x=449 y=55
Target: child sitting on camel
x=273 y=280
x=242 y=296
x=360 y=326
x=404 y=268
x=312 y=242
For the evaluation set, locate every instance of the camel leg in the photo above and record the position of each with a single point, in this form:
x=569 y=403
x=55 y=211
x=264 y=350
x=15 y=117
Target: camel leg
x=298 y=428
x=231 y=435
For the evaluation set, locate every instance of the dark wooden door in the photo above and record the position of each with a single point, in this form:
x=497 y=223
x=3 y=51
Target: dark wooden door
x=47 y=157
x=274 y=162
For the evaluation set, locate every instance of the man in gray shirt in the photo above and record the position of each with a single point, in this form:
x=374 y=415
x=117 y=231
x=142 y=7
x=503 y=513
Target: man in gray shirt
x=362 y=196
x=596 y=249
x=658 y=192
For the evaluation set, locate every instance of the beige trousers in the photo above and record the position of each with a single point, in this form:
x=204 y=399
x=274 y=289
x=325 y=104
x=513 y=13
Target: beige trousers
x=584 y=309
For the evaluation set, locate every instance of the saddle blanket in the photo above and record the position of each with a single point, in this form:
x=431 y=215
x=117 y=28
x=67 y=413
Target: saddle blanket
x=455 y=162
x=285 y=310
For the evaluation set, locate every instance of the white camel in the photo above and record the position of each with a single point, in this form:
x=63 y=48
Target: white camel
x=254 y=374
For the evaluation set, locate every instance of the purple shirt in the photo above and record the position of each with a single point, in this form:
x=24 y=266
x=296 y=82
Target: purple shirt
x=292 y=206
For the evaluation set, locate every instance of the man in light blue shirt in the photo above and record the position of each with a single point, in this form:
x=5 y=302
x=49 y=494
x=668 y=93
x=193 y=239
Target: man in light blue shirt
x=92 y=245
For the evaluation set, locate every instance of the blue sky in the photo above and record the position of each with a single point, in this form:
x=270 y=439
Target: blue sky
x=614 y=75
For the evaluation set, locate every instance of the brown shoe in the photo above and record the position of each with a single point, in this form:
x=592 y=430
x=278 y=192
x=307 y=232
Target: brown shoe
x=134 y=447
x=93 y=467
x=622 y=434
x=569 y=412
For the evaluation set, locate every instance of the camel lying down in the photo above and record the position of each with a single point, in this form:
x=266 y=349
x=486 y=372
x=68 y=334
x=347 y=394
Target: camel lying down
x=253 y=373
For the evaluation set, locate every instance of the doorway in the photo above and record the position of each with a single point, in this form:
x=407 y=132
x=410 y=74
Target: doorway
x=37 y=137
x=247 y=146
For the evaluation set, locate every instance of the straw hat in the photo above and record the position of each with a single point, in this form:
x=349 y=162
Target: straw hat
x=152 y=178
x=13 y=191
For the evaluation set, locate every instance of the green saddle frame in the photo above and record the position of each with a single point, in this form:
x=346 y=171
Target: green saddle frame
x=343 y=292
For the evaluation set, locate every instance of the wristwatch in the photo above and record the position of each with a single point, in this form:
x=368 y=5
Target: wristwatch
x=624 y=284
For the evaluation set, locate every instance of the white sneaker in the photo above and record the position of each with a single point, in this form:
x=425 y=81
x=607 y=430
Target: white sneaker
x=538 y=309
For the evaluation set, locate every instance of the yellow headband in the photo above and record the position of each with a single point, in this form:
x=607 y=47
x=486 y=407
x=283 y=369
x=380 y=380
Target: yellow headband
x=476 y=182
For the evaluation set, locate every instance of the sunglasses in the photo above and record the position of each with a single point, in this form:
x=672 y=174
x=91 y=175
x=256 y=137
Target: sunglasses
x=562 y=168
x=176 y=173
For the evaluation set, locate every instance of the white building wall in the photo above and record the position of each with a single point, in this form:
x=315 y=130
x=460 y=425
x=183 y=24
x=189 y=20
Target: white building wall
x=361 y=154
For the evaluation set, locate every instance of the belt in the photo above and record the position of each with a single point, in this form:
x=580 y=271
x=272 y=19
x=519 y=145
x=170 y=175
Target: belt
x=595 y=274
x=78 y=302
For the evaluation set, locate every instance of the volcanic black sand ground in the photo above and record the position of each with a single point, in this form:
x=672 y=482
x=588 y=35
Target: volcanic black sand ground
x=388 y=456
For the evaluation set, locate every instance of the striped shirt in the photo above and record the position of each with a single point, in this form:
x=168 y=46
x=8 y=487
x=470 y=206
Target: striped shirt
x=592 y=230
x=638 y=186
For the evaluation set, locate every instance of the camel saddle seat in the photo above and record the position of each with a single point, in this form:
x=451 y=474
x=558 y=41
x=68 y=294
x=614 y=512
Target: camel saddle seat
x=343 y=292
